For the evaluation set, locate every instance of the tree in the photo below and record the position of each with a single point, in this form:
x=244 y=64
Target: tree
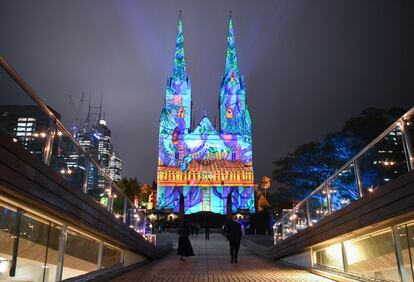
x=144 y=193
x=312 y=163
x=265 y=183
x=371 y=122
x=130 y=186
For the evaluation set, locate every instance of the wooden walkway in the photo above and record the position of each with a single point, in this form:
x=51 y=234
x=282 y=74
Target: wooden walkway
x=212 y=263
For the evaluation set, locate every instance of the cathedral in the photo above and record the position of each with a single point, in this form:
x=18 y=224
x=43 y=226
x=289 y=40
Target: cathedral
x=208 y=166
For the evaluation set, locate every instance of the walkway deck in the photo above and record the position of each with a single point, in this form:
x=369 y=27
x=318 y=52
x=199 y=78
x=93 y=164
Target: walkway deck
x=212 y=263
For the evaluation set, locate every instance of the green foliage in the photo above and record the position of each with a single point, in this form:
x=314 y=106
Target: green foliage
x=130 y=186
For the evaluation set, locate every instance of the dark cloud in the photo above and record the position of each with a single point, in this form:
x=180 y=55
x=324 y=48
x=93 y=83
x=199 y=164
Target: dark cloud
x=309 y=65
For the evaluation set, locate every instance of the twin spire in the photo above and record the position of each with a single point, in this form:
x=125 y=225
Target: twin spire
x=179 y=69
x=231 y=56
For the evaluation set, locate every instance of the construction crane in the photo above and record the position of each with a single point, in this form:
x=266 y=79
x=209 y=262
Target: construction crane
x=76 y=123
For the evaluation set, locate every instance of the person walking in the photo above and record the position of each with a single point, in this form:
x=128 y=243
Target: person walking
x=223 y=229
x=234 y=234
x=207 y=231
x=192 y=229
x=197 y=229
x=184 y=245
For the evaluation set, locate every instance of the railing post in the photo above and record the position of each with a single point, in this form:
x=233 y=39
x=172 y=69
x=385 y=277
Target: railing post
x=50 y=136
x=128 y=217
x=358 y=178
x=398 y=254
x=408 y=146
x=308 y=214
x=122 y=258
x=328 y=199
x=100 y=252
x=86 y=176
x=145 y=221
x=61 y=252
x=312 y=259
x=110 y=199
x=125 y=209
x=45 y=268
x=293 y=217
x=344 y=257
x=12 y=272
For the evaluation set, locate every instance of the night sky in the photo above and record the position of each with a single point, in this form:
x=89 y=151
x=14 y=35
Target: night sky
x=308 y=65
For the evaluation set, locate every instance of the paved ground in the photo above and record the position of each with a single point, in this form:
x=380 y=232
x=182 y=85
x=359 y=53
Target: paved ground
x=212 y=263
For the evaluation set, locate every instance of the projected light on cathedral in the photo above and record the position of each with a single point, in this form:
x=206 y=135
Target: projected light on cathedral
x=203 y=163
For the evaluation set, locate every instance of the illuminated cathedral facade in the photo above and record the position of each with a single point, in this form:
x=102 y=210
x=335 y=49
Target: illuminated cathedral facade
x=210 y=168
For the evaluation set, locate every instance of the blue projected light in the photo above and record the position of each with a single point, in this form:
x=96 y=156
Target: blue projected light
x=205 y=164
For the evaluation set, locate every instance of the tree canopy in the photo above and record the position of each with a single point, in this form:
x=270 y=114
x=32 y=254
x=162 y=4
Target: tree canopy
x=310 y=164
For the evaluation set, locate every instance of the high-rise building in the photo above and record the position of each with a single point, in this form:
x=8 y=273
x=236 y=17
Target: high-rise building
x=95 y=138
x=27 y=124
x=115 y=167
x=30 y=126
x=103 y=144
x=210 y=167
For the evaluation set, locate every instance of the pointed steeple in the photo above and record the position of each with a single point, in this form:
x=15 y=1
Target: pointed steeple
x=179 y=70
x=231 y=57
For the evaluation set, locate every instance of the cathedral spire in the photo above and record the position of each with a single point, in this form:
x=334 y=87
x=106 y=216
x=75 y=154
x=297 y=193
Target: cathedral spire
x=179 y=70
x=231 y=57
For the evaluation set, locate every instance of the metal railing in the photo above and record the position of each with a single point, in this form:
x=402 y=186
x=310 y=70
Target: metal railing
x=384 y=159
x=29 y=121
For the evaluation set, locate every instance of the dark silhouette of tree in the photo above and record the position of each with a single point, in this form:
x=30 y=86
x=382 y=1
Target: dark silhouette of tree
x=370 y=123
x=310 y=164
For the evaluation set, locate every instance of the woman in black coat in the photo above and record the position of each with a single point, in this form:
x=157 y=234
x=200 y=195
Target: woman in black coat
x=184 y=244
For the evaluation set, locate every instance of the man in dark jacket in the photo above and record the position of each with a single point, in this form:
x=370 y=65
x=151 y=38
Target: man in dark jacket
x=234 y=234
x=207 y=230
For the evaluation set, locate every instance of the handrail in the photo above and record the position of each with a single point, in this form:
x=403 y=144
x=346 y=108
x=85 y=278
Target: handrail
x=32 y=94
x=396 y=124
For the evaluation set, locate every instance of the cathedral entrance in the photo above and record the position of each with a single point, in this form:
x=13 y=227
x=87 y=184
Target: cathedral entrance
x=214 y=220
x=205 y=204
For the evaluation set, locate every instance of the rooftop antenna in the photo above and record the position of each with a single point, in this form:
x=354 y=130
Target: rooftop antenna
x=100 y=108
x=76 y=124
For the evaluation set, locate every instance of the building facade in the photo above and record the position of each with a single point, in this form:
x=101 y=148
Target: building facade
x=210 y=167
x=27 y=124
x=115 y=167
x=95 y=138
